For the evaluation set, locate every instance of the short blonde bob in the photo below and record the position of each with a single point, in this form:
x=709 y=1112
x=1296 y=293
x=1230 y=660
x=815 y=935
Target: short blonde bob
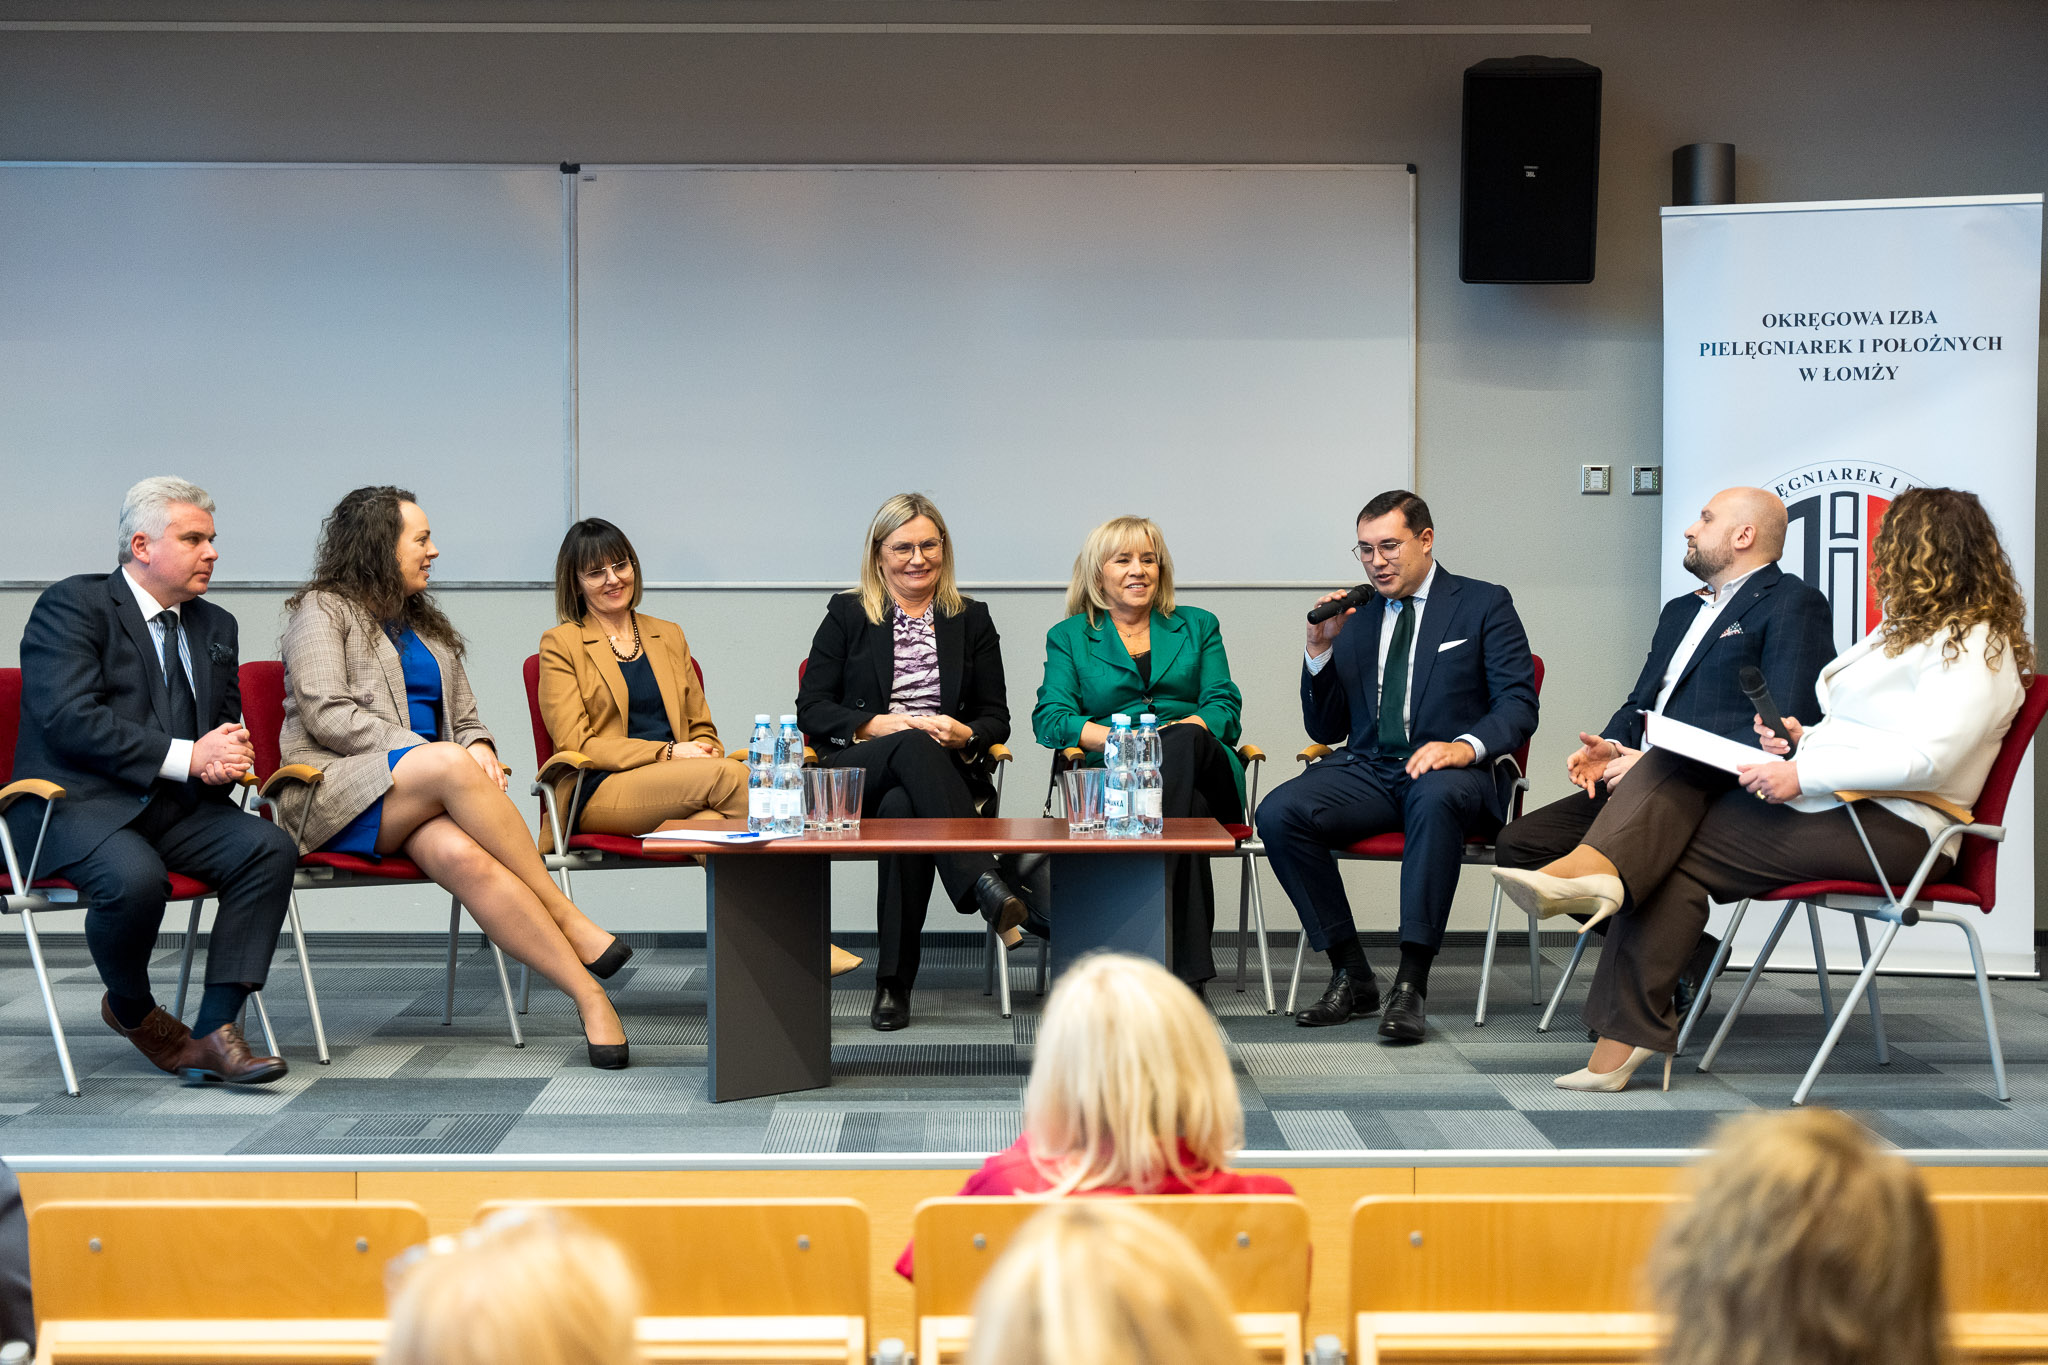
x=1113 y=537
x=1101 y=1282
x=1803 y=1241
x=526 y=1284
x=1130 y=1086
x=874 y=592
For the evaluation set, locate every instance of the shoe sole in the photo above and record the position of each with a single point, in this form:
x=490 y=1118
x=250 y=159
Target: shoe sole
x=197 y=1075
x=1333 y=1023
x=1402 y=1036
x=895 y=1026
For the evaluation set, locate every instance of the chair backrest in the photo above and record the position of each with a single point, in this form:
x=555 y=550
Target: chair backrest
x=1502 y=1253
x=1992 y=1249
x=1977 y=869
x=734 y=1257
x=1257 y=1244
x=543 y=742
x=1521 y=755
x=322 y=1258
x=10 y=720
x=262 y=683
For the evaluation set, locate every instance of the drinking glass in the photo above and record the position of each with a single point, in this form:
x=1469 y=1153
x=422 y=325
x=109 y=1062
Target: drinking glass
x=1081 y=789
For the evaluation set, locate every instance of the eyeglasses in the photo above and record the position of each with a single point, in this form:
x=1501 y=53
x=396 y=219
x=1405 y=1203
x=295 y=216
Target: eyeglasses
x=622 y=571
x=1389 y=550
x=904 y=550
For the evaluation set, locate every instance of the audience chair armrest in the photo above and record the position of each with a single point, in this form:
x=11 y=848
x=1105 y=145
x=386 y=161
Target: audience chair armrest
x=1314 y=752
x=303 y=773
x=1250 y=753
x=1958 y=814
x=29 y=786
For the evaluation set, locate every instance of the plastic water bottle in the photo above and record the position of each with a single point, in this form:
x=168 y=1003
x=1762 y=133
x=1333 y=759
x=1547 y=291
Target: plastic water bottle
x=1151 y=786
x=789 y=778
x=1119 y=780
x=761 y=779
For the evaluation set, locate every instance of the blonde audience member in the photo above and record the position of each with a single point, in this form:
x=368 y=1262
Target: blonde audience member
x=525 y=1285
x=1098 y=1283
x=1804 y=1242
x=1130 y=1093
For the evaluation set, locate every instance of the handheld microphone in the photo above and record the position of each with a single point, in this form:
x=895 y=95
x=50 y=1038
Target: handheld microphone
x=1323 y=611
x=1759 y=693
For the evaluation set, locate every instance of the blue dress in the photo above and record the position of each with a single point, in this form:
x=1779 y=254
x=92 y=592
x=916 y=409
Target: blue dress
x=423 y=716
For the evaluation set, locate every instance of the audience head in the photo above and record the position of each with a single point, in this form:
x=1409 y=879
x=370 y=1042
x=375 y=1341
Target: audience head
x=1396 y=543
x=596 y=568
x=524 y=1285
x=1938 y=566
x=1124 y=562
x=1100 y=1282
x=909 y=559
x=1130 y=1085
x=167 y=538
x=377 y=551
x=1803 y=1241
x=1739 y=530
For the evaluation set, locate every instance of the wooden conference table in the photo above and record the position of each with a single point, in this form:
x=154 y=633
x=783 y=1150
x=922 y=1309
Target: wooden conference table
x=768 y=916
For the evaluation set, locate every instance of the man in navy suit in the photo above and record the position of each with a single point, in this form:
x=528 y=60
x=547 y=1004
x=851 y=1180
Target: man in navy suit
x=130 y=702
x=1425 y=689
x=1750 y=614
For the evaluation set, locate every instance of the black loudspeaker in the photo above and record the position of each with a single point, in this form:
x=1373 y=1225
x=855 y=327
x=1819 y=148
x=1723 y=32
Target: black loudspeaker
x=1531 y=180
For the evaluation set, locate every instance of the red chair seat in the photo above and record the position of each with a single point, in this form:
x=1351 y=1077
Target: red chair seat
x=392 y=869
x=1239 y=832
x=182 y=888
x=1392 y=846
x=620 y=845
x=1948 y=892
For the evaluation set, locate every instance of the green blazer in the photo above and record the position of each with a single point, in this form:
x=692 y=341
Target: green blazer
x=1089 y=676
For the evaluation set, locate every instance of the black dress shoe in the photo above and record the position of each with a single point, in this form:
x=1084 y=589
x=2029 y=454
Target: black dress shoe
x=1347 y=998
x=1405 y=1020
x=1693 y=980
x=998 y=904
x=609 y=961
x=609 y=1056
x=891 y=1011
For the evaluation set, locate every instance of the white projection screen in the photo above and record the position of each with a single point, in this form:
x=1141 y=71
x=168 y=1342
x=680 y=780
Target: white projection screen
x=766 y=353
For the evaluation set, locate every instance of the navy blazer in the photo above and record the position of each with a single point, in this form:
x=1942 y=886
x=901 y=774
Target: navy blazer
x=95 y=715
x=1776 y=624
x=1473 y=674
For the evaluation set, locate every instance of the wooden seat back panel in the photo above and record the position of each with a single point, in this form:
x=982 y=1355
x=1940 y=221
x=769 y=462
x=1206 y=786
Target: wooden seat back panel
x=1994 y=1252
x=1503 y=1253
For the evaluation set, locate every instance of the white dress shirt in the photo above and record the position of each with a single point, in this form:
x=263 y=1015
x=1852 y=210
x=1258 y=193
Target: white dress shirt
x=1391 y=609
x=1712 y=601
x=177 y=764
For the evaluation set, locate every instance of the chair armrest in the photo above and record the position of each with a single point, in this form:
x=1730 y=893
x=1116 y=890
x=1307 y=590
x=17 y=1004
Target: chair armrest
x=29 y=786
x=1250 y=753
x=999 y=753
x=1314 y=752
x=1960 y=814
x=291 y=772
x=564 y=762
x=1073 y=753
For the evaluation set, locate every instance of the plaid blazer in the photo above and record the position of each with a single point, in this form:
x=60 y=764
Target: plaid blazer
x=344 y=710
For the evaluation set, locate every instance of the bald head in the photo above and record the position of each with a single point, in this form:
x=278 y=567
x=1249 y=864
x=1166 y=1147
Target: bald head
x=1739 y=530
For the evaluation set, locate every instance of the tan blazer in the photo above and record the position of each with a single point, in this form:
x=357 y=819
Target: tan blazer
x=344 y=710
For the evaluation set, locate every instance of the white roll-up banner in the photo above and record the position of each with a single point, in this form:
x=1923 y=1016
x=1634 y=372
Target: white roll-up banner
x=1838 y=354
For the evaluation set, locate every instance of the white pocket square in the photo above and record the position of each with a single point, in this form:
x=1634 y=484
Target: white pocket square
x=1450 y=644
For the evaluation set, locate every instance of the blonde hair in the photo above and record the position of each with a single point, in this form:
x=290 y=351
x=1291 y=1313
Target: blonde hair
x=1098 y=1282
x=1803 y=1241
x=1130 y=1086
x=1114 y=536
x=874 y=593
x=525 y=1285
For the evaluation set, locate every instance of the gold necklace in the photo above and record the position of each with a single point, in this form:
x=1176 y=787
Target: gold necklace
x=612 y=641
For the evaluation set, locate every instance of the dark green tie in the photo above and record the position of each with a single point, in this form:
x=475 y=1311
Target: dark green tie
x=1394 y=686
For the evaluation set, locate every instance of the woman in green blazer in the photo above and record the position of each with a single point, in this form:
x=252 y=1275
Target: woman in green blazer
x=1125 y=646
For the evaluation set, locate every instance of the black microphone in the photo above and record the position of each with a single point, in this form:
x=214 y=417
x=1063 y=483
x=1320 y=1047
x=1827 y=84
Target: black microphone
x=1323 y=611
x=1759 y=693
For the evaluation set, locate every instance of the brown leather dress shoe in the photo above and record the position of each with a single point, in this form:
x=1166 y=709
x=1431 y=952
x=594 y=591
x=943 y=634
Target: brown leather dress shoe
x=223 y=1056
x=158 y=1037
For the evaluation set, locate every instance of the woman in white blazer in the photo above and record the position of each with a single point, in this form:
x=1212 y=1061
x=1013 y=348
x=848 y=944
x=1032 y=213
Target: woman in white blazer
x=1917 y=707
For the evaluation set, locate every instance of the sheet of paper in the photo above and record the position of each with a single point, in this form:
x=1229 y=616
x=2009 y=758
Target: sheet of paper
x=1704 y=746
x=711 y=835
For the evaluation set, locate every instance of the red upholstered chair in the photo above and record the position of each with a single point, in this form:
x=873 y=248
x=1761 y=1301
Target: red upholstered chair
x=1479 y=850
x=1972 y=883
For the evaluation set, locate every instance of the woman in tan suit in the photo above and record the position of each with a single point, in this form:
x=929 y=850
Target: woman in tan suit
x=376 y=698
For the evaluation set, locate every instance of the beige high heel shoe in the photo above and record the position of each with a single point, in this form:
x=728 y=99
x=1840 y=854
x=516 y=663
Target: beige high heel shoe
x=843 y=961
x=1598 y=896
x=1585 y=1078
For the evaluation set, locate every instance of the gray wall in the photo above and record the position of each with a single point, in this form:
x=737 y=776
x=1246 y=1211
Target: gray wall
x=1518 y=386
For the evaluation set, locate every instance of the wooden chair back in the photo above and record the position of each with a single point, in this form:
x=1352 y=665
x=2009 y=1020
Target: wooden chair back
x=1994 y=1252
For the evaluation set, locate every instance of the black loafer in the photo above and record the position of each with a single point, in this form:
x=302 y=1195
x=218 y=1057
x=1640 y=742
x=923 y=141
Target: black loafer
x=1405 y=1020
x=1347 y=998
x=998 y=904
x=891 y=1011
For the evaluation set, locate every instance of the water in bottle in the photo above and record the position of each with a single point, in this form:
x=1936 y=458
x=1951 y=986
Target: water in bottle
x=1150 y=783
x=789 y=778
x=1119 y=797
x=761 y=779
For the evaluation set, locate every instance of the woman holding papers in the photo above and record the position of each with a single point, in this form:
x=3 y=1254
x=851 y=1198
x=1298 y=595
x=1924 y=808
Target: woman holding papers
x=376 y=698
x=1917 y=707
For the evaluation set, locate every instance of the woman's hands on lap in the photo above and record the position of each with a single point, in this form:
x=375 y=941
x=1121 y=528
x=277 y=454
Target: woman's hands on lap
x=887 y=723
x=487 y=758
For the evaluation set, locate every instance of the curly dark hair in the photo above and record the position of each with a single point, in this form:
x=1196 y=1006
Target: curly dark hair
x=1938 y=566
x=357 y=560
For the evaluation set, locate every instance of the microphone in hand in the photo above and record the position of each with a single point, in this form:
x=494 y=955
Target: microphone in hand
x=1323 y=611
x=1759 y=693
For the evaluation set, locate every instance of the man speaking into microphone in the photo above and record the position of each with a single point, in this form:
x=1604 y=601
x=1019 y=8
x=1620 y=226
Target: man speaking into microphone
x=1424 y=684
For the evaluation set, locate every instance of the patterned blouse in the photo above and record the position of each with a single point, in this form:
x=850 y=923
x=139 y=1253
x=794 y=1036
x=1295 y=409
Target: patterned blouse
x=915 y=688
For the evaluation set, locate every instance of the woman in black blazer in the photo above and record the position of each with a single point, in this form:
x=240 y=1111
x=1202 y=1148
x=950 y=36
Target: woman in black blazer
x=905 y=681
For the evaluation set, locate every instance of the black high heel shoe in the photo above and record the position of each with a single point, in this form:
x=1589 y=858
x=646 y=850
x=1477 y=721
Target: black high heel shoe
x=998 y=904
x=608 y=1056
x=609 y=961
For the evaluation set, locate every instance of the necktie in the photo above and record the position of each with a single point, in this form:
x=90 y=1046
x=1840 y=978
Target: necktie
x=1394 y=686
x=184 y=707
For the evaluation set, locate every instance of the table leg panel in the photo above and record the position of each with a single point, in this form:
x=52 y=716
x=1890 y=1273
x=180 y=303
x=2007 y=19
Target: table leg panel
x=767 y=923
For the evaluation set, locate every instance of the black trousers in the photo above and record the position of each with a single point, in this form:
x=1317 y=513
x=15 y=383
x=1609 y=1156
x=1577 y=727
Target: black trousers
x=127 y=883
x=911 y=776
x=1195 y=778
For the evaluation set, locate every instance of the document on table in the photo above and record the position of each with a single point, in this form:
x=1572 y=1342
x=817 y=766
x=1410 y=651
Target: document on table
x=711 y=835
x=1702 y=746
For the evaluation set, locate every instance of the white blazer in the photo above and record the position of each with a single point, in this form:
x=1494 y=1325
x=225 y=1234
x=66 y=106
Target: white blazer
x=1917 y=722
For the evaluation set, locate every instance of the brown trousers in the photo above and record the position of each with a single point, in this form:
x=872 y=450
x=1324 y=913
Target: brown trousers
x=1682 y=834
x=639 y=799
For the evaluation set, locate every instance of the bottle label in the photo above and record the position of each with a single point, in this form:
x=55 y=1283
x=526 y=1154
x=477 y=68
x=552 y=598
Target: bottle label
x=1113 y=804
x=1154 y=804
x=760 y=803
x=789 y=803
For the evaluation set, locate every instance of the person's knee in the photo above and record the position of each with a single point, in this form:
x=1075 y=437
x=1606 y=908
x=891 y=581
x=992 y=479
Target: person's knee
x=1282 y=813
x=275 y=855
x=438 y=763
x=135 y=884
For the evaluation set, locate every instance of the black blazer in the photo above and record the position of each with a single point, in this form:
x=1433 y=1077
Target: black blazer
x=1776 y=624
x=852 y=670
x=95 y=713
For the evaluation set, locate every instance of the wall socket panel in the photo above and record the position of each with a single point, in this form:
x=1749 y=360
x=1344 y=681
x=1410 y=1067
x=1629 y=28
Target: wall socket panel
x=1596 y=478
x=1646 y=478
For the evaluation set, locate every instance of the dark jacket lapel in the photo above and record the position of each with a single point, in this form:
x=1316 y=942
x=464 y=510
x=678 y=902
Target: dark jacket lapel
x=198 y=640
x=950 y=635
x=1437 y=610
x=881 y=649
x=130 y=617
x=1760 y=582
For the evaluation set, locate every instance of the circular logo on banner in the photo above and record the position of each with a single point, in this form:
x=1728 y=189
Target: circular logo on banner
x=1835 y=509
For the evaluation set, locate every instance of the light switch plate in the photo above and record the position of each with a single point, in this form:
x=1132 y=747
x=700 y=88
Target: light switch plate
x=1596 y=478
x=1646 y=478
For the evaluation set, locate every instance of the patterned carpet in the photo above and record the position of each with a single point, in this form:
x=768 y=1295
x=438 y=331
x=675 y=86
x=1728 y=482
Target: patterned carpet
x=401 y=1082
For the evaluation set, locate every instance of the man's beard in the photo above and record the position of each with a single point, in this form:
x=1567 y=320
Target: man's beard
x=1703 y=566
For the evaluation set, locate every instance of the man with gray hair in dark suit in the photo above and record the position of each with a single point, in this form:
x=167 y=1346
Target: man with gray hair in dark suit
x=130 y=703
